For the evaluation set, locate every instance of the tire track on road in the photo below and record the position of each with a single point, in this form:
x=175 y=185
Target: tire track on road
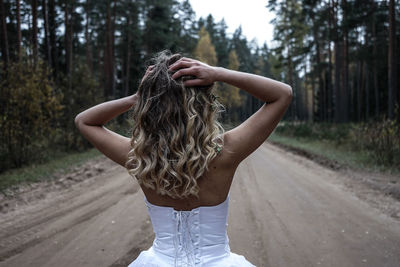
x=39 y=229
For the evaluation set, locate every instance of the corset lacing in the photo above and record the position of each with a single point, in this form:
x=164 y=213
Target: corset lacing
x=186 y=242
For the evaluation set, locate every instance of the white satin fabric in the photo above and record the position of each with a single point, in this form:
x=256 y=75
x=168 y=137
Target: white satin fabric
x=189 y=238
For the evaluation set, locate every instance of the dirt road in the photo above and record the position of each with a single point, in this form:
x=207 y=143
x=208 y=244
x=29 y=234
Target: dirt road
x=284 y=211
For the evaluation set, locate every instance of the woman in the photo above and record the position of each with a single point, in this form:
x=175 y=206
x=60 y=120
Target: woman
x=182 y=158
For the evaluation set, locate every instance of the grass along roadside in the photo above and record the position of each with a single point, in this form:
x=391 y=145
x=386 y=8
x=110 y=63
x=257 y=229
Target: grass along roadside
x=333 y=155
x=34 y=173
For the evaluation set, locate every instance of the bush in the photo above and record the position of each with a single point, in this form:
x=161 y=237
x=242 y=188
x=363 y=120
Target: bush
x=336 y=133
x=82 y=92
x=37 y=114
x=380 y=138
x=30 y=107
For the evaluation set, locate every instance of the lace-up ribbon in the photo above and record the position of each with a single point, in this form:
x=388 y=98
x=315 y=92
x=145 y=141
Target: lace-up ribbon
x=185 y=241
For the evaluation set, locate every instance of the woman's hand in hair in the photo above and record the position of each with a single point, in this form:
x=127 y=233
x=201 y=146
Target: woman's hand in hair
x=148 y=71
x=205 y=74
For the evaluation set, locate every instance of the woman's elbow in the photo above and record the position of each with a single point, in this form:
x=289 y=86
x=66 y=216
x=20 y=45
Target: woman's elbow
x=78 y=120
x=288 y=93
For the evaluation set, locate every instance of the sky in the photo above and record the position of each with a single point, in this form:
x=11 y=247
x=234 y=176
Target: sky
x=251 y=14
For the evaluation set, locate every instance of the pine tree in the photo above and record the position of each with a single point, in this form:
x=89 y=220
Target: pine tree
x=205 y=51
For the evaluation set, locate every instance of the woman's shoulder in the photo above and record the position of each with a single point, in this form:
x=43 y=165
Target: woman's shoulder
x=227 y=156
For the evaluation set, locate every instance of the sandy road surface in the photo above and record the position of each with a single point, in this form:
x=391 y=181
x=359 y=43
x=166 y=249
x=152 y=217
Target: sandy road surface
x=284 y=211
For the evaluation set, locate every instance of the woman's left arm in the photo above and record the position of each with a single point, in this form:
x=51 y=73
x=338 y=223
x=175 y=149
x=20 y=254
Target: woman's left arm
x=91 y=124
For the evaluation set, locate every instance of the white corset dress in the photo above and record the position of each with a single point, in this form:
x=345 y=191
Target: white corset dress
x=189 y=238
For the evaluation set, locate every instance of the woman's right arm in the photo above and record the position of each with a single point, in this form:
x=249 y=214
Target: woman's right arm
x=248 y=136
x=265 y=89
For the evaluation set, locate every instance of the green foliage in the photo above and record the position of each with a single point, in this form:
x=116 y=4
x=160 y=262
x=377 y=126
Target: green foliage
x=218 y=37
x=114 y=39
x=188 y=28
x=162 y=28
x=229 y=94
x=379 y=139
x=337 y=133
x=59 y=162
x=299 y=130
x=243 y=51
x=82 y=92
x=233 y=60
x=333 y=54
x=38 y=115
x=30 y=107
x=328 y=153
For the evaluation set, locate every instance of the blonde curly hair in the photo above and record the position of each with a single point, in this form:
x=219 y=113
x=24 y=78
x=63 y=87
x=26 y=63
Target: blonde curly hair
x=176 y=133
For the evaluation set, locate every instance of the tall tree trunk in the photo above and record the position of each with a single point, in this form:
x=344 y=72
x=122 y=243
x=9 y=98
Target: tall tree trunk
x=359 y=81
x=329 y=89
x=71 y=35
x=375 y=67
x=306 y=104
x=34 y=32
x=345 y=69
x=68 y=21
x=330 y=78
x=68 y=18
x=70 y=42
x=337 y=53
x=4 y=39
x=107 y=55
x=109 y=89
x=321 y=89
x=46 y=32
x=329 y=92
x=113 y=69
x=338 y=93
x=392 y=62
x=66 y=37
x=367 y=106
x=358 y=99
x=366 y=73
x=87 y=37
x=313 y=111
x=52 y=34
x=290 y=70
x=128 y=55
x=19 y=36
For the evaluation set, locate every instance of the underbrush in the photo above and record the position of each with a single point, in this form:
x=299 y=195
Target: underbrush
x=43 y=171
x=377 y=142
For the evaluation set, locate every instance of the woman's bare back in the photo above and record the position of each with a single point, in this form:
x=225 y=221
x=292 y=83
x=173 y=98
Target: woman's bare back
x=214 y=186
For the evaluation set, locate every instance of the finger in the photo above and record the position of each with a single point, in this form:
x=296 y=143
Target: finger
x=193 y=82
x=149 y=68
x=181 y=72
x=180 y=64
x=186 y=59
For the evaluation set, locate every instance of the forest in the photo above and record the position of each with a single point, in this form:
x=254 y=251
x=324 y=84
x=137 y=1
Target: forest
x=59 y=57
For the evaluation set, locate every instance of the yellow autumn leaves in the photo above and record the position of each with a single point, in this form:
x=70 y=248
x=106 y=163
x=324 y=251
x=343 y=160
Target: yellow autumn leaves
x=205 y=51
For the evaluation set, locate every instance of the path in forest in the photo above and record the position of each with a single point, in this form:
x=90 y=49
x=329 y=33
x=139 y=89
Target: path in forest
x=285 y=210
